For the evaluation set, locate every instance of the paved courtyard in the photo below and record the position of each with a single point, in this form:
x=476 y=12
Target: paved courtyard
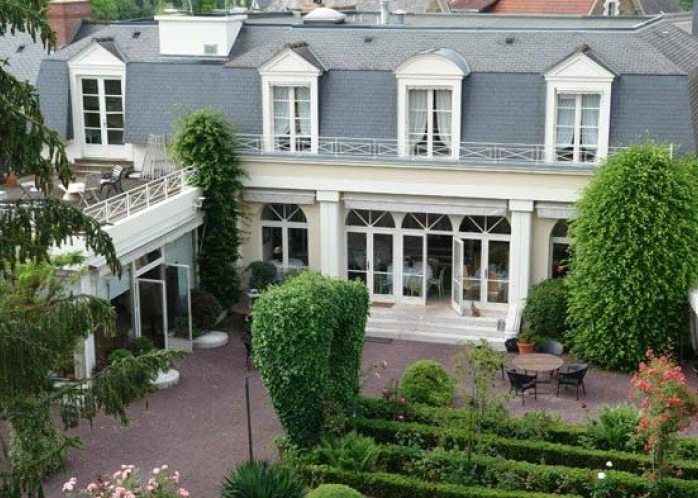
x=199 y=426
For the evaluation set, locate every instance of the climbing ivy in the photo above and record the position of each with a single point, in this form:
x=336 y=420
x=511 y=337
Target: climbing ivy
x=308 y=339
x=206 y=140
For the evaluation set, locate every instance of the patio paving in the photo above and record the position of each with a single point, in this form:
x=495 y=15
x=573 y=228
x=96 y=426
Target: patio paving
x=199 y=426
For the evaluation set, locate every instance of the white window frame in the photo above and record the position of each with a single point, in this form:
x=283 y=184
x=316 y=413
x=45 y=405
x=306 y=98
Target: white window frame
x=578 y=74
x=578 y=110
x=290 y=70
x=284 y=224
x=429 y=71
x=610 y=8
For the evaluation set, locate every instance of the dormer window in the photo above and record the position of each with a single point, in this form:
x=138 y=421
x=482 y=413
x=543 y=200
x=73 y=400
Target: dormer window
x=610 y=8
x=429 y=103
x=578 y=109
x=430 y=122
x=292 y=121
x=290 y=100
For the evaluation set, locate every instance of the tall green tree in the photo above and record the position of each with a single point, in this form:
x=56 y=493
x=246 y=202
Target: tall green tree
x=634 y=257
x=205 y=139
x=41 y=321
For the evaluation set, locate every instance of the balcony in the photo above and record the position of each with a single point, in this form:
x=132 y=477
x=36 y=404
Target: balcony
x=140 y=198
x=470 y=153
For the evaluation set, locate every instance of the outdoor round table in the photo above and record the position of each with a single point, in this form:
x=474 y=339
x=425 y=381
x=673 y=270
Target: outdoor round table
x=537 y=362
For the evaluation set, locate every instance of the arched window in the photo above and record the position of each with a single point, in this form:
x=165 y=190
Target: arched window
x=284 y=236
x=426 y=221
x=367 y=218
x=485 y=224
x=559 y=249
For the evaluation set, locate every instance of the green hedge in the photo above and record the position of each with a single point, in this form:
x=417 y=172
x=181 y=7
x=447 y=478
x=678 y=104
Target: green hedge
x=386 y=485
x=442 y=465
x=384 y=431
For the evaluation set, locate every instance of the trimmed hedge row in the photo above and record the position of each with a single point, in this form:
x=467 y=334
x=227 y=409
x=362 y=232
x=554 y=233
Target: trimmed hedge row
x=384 y=431
x=510 y=427
x=442 y=465
x=397 y=486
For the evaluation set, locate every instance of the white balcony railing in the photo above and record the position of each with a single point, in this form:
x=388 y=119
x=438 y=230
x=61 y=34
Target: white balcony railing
x=142 y=197
x=469 y=152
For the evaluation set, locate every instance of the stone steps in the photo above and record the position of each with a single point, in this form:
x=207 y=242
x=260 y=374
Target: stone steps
x=442 y=327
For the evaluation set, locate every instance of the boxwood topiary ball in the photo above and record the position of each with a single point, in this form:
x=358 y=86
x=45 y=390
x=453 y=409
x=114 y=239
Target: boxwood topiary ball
x=334 y=491
x=428 y=382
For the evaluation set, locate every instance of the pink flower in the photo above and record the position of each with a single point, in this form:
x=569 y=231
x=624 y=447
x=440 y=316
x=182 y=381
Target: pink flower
x=182 y=492
x=68 y=487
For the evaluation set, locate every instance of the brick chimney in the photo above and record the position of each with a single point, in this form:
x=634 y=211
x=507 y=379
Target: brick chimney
x=65 y=17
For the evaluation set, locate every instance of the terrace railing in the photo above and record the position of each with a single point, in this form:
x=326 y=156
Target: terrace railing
x=142 y=197
x=468 y=153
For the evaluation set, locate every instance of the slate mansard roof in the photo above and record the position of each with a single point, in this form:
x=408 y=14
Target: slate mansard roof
x=526 y=46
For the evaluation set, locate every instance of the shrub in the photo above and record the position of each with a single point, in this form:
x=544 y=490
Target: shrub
x=205 y=308
x=545 y=310
x=426 y=381
x=119 y=354
x=614 y=429
x=140 y=345
x=307 y=337
x=350 y=452
x=262 y=275
x=261 y=479
x=334 y=491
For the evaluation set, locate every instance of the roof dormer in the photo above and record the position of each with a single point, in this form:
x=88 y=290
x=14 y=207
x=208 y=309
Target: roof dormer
x=198 y=36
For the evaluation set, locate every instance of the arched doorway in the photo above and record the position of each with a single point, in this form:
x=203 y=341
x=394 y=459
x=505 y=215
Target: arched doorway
x=481 y=261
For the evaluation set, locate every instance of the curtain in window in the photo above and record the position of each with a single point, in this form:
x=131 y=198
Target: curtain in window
x=418 y=100
x=303 y=110
x=590 y=120
x=281 y=110
x=565 y=120
x=442 y=108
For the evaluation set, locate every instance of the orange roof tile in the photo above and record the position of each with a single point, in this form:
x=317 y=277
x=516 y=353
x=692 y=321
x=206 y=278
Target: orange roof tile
x=580 y=7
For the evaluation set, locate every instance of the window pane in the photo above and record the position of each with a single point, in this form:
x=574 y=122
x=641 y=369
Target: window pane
x=89 y=86
x=498 y=225
x=115 y=121
x=475 y=224
x=272 y=244
x=560 y=229
x=93 y=136
x=92 y=119
x=382 y=219
x=357 y=217
x=112 y=87
x=114 y=104
x=298 y=246
x=90 y=103
x=115 y=137
x=356 y=256
x=295 y=214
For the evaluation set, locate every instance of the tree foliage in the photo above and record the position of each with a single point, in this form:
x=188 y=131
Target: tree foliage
x=545 y=310
x=634 y=256
x=205 y=139
x=307 y=340
x=42 y=324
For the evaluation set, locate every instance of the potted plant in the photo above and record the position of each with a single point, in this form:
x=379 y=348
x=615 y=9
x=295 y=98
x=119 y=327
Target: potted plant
x=526 y=340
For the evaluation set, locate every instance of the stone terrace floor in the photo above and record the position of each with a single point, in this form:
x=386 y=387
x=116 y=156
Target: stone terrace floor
x=199 y=426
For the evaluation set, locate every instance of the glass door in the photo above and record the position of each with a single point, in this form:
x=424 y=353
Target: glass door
x=381 y=264
x=357 y=256
x=472 y=270
x=150 y=305
x=497 y=271
x=414 y=268
x=102 y=116
x=457 y=284
x=178 y=285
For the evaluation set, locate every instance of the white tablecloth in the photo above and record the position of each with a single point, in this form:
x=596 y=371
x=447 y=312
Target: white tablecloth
x=410 y=272
x=293 y=264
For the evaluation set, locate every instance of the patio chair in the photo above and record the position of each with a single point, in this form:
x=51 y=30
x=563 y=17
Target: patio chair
x=574 y=376
x=520 y=383
x=113 y=181
x=438 y=282
x=93 y=183
x=551 y=347
x=29 y=190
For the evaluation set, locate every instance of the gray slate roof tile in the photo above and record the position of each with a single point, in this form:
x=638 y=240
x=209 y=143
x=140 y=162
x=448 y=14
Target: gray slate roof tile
x=23 y=63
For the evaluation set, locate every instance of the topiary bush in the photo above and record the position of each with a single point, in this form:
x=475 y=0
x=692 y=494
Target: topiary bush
x=307 y=337
x=262 y=275
x=545 y=310
x=426 y=381
x=350 y=452
x=334 y=491
x=205 y=309
x=262 y=479
x=615 y=428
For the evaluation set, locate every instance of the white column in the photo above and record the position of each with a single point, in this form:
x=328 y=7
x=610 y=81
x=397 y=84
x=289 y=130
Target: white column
x=331 y=233
x=85 y=357
x=519 y=260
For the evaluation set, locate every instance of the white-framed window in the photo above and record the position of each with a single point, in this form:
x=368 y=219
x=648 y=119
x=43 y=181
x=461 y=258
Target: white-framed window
x=578 y=110
x=284 y=230
x=577 y=127
x=429 y=104
x=610 y=8
x=559 y=250
x=290 y=106
x=292 y=130
x=430 y=118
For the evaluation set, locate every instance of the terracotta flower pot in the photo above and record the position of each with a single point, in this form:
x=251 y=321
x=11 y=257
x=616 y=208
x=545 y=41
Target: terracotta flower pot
x=11 y=180
x=526 y=347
